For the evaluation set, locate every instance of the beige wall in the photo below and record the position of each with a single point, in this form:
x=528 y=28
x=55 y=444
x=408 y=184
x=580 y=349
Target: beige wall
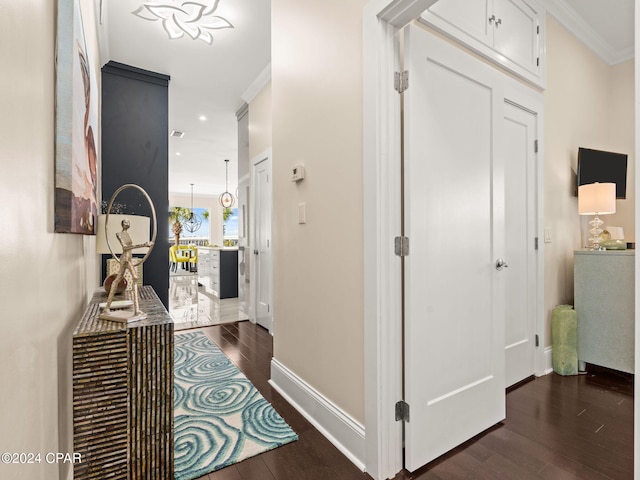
x=622 y=139
x=587 y=104
x=47 y=278
x=318 y=267
x=317 y=121
x=260 y=123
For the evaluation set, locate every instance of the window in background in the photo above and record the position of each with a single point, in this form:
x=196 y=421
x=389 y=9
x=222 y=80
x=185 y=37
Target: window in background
x=181 y=215
x=230 y=227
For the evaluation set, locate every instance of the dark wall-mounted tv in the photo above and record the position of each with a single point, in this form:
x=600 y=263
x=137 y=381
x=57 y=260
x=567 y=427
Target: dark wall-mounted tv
x=604 y=167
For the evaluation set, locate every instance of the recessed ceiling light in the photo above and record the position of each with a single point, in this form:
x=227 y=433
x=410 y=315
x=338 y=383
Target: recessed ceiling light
x=178 y=154
x=203 y=118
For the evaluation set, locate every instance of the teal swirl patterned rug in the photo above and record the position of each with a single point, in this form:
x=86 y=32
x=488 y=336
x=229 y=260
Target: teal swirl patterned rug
x=220 y=417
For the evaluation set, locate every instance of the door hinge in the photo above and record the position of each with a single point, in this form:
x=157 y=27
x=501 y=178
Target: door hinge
x=538 y=29
x=401 y=81
x=535 y=146
x=536 y=243
x=402 y=246
x=537 y=340
x=537 y=61
x=402 y=411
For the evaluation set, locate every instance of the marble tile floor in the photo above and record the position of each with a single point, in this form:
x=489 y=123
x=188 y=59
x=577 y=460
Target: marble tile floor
x=191 y=307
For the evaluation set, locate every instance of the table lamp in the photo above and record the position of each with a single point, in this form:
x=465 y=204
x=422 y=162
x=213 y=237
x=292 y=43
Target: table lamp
x=139 y=232
x=596 y=199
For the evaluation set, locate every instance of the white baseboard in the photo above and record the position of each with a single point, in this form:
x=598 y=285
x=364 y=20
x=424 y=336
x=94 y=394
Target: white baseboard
x=548 y=361
x=342 y=430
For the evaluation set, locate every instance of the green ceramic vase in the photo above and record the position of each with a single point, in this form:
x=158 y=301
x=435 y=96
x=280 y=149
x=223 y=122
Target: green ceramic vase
x=564 y=339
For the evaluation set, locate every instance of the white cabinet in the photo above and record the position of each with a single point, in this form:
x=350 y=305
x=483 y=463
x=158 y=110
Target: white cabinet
x=510 y=33
x=218 y=271
x=209 y=270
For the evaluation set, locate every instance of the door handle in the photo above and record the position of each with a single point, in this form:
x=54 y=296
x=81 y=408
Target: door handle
x=255 y=252
x=500 y=264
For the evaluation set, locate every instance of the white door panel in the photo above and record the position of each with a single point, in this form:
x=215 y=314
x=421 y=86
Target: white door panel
x=454 y=218
x=244 y=246
x=519 y=154
x=261 y=273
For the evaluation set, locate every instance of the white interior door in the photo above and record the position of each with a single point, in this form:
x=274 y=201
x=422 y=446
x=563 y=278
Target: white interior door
x=454 y=218
x=244 y=246
x=261 y=275
x=520 y=193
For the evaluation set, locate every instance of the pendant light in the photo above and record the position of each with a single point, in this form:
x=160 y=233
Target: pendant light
x=193 y=221
x=226 y=199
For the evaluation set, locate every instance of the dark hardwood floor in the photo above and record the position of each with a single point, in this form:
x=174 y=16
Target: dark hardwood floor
x=556 y=428
x=312 y=457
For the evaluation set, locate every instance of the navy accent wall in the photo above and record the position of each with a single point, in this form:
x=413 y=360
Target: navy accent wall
x=135 y=149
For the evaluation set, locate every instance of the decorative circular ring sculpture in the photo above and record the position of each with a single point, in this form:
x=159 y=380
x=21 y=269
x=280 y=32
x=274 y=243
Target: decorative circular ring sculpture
x=126 y=261
x=153 y=214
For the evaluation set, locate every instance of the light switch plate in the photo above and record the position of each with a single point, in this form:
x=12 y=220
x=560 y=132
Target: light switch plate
x=302 y=213
x=547 y=234
x=297 y=173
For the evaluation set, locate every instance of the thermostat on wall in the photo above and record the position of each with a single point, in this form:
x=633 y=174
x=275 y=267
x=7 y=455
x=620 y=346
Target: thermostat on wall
x=297 y=173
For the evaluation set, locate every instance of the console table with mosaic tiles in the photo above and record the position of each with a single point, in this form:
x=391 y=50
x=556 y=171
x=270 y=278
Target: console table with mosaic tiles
x=123 y=393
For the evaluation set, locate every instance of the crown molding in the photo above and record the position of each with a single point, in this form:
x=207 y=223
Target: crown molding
x=261 y=81
x=575 y=24
x=102 y=21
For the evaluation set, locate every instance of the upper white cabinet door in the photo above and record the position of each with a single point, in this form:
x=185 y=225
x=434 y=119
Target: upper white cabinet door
x=470 y=16
x=516 y=35
x=510 y=33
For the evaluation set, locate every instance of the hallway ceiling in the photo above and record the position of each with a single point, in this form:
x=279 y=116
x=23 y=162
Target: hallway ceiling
x=607 y=27
x=209 y=79
x=205 y=79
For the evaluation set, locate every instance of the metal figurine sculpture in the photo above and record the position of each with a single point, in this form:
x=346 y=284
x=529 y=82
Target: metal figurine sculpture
x=126 y=261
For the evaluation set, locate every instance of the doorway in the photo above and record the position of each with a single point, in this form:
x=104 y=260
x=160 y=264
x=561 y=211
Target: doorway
x=454 y=210
x=521 y=142
x=261 y=269
x=383 y=304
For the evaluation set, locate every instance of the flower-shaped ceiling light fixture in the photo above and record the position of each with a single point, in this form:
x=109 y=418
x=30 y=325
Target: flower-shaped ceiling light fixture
x=196 y=19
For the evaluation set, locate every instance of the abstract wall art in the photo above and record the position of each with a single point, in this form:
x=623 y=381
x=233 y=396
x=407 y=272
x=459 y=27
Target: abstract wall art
x=77 y=108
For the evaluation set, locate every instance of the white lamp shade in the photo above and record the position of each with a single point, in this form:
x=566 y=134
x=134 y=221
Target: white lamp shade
x=138 y=231
x=597 y=199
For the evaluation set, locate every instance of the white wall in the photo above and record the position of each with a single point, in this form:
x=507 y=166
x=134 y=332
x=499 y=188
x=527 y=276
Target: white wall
x=260 y=122
x=318 y=266
x=587 y=104
x=46 y=278
x=636 y=136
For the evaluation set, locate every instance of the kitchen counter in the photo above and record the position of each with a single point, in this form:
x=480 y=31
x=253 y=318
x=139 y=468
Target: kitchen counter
x=218 y=270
